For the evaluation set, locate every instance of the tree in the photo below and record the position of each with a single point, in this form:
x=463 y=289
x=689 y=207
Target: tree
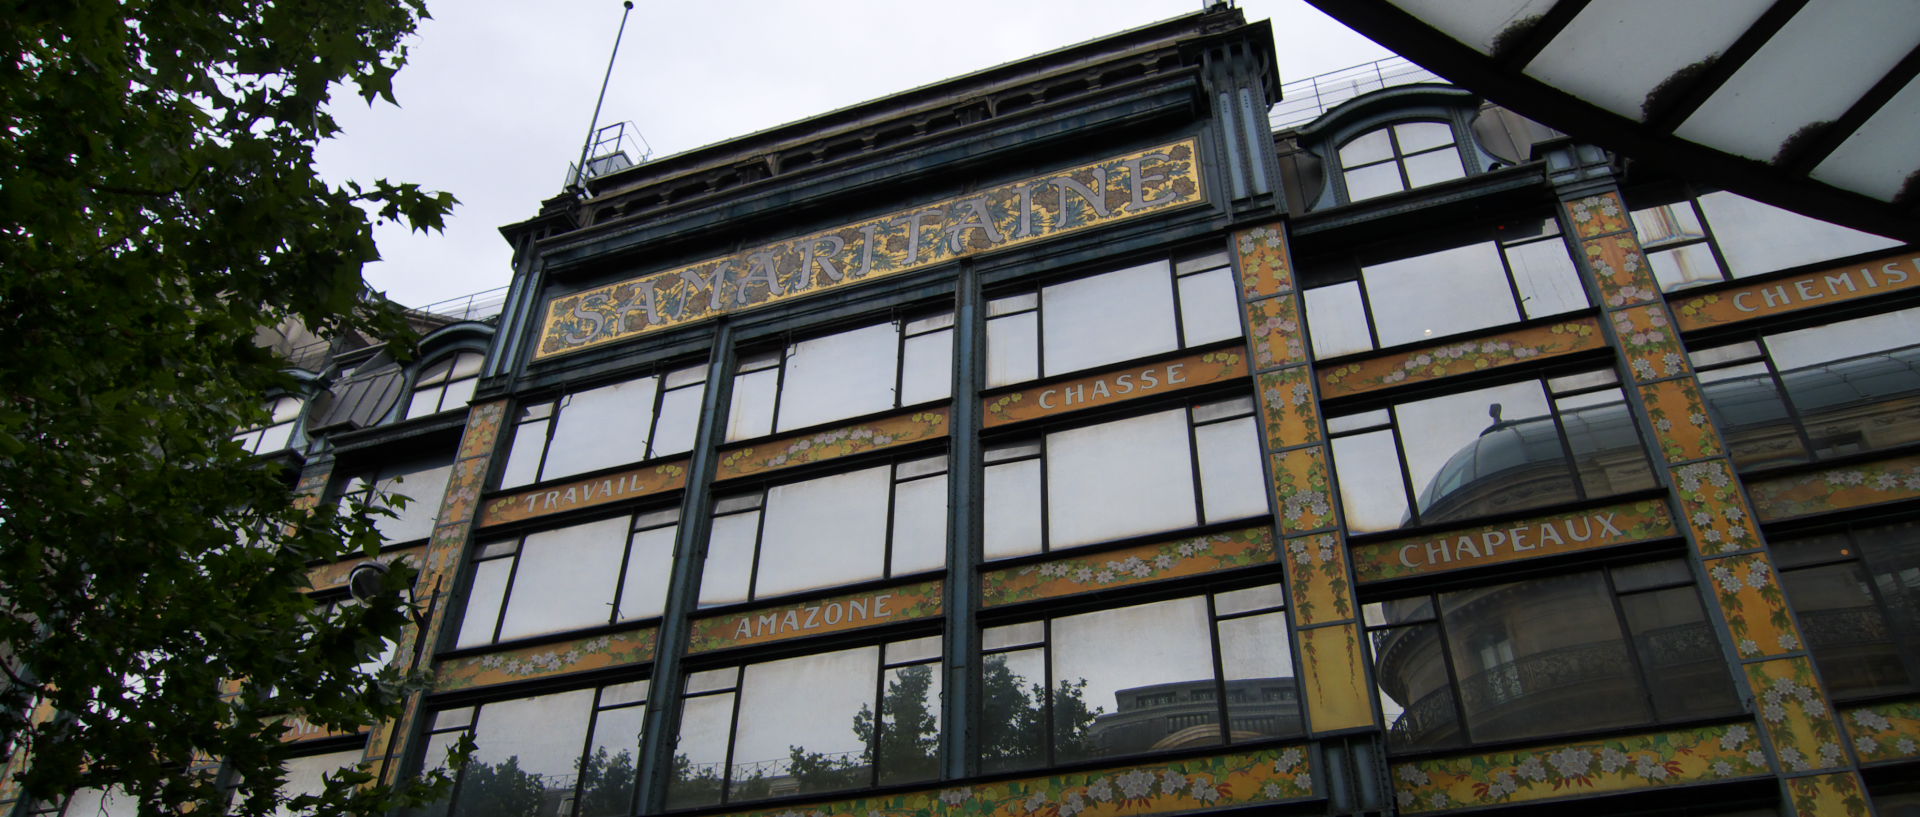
x=158 y=206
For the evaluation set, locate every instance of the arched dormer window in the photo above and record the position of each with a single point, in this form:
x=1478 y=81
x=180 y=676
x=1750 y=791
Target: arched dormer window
x=1397 y=157
x=277 y=432
x=445 y=385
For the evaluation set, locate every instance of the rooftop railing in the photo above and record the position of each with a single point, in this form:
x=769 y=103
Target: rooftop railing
x=1304 y=100
x=475 y=307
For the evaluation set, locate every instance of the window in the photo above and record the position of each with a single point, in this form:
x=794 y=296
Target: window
x=1524 y=271
x=814 y=723
x=1162 y=471
x=861 y=371
x=1399 y=157
x=445 y=386
x=1826 y=391
x=1131 y=680
x=1739 y=235
x=886 y=520
x=306 y=774
x=423 y=484
x=1857 y=595
x=584 y=575
x=91 y=802
x=563 y=754
x=1111 y=317
x=1600 y=649
x=1488 y=451
x=636 y=420
x=277 y=433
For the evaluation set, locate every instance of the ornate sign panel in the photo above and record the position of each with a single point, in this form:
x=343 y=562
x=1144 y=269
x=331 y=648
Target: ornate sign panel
x=1794 y=293
x=1117 y=189
x=1524 y=539
x=852 y=612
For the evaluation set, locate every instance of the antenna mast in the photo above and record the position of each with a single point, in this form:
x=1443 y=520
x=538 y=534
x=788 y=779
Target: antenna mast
x=579 y=180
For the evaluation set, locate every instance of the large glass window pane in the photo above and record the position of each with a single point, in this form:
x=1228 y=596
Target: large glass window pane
x=1103 y=696
x=1013 y=509
x=565 y=579
x=1459 y=444
x=840 y=375
x=489 y=590
x=1416 y=696
x=1434 y=167
x=1369 y=147
x=1684 y=266
x=643 y=593
x=1757 y=238
x=526 y=754
x=1544 y=274
x=824 y=532
x=1108 y=318
x=529 y=443
x=608 y=772
x=908 y=748
x=814 y=742
x=1231 y=480
x=1850 y=383
x=305 y=775
x=1856 y=649
x=673 y=431
x=919 y=525
x=1418 y=136
x=1119 y=479
x=1368 y=466
x=700 y=756
x=729 y=567
x=1373 y=180
x=1013 y=349
x=601 y=427
x=1336 y=320
x=1679 y=651
x=751 y=412
x=1013 y=731
x=1751 y=415
x=927 y=372
x=424 y=490
x=1262 y=693
x=1209 y=307
x=1439 y=294
x=1605 y=443
x=1541 y=656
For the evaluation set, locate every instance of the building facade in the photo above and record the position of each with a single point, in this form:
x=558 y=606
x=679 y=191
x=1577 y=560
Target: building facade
x=1059 y=440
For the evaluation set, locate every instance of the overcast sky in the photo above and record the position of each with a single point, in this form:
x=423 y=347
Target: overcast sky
x=497 y=94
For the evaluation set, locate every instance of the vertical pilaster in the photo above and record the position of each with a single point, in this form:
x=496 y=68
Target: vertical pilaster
x=966 y=470
x=658 y=740
x=1806 y=741
x=1323 y=618
x=445 y=555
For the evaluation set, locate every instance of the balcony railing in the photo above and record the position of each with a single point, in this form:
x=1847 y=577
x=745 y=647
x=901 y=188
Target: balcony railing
x=478 y=306
x=1304 y=100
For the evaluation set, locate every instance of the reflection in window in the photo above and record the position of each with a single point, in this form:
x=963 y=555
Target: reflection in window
x=564 y=754
x=1525 y=272
x=445 y=385
x=1111 y=317
x=816 y=723
x=1399 y=157
x=1857 y=596
x=860 y=371
x=306 y=774
x=1137 y=679
x=584 y=575
x=278 y=431
x=1547 y=656
x=1750 y=238
x=1826 y=391
x=1159 y=472
x=1486 y=452
x=889 y=520
x=423 y=485
x=636 y=420
x=91 y=802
